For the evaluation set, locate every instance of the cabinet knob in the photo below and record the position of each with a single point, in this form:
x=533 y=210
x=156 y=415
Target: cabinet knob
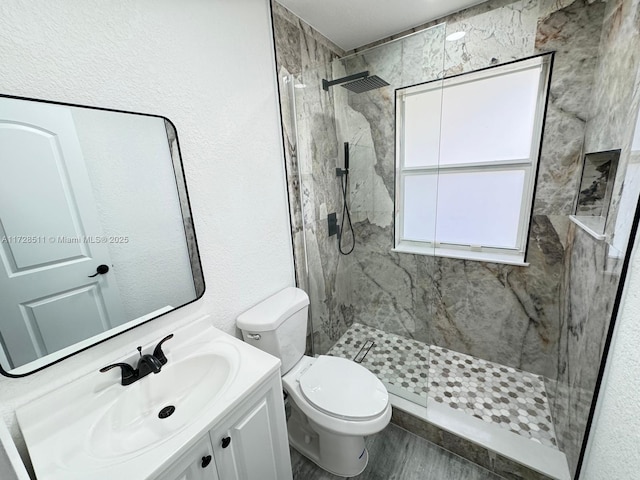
x=206 y=461
x=226 y=441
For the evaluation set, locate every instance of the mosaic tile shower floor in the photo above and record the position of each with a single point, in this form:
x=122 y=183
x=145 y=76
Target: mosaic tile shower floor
x=505 y=396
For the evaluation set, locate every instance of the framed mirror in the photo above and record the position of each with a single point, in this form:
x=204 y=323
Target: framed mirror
x=96 y=233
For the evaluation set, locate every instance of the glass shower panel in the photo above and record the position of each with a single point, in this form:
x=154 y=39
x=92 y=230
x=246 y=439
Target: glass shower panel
x=384 y=295
x=316 y=154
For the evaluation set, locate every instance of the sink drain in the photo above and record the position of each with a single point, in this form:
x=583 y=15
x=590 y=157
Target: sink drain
x=166 y=411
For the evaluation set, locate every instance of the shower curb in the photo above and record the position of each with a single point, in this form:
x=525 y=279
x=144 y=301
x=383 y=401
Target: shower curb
x=475 y=452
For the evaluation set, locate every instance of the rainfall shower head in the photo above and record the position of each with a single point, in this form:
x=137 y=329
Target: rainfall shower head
x=357 y=83
x=366 y=84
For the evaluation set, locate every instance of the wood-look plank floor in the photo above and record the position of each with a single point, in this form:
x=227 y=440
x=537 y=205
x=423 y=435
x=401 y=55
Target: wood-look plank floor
x=395 y=454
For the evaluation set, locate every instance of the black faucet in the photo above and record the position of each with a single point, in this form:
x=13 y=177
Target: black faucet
x=146 y=364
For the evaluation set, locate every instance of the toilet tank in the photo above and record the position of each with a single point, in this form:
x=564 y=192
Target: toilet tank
x=278 y=325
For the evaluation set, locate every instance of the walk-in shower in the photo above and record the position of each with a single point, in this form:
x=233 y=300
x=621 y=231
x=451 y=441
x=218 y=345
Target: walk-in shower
x=510 y=349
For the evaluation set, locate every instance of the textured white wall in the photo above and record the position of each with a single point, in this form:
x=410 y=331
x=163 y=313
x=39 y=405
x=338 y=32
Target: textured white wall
x=614 y=443
x=208 y=66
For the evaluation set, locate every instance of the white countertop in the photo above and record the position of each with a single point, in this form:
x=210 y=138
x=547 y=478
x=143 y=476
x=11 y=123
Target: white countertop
x=57 y=426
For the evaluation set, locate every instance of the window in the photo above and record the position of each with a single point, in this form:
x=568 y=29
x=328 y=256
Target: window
x=467 y=154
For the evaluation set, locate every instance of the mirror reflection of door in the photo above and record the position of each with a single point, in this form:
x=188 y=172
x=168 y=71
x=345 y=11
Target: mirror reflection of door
x=51 y=238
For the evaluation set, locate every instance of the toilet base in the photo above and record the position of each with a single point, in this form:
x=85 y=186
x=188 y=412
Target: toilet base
x=341 y=455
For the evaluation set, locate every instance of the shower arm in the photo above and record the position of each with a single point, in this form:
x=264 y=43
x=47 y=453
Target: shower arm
x=357 y=76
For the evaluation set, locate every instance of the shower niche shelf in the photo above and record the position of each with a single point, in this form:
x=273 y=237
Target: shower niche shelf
x=596 y=188
x=594 y=226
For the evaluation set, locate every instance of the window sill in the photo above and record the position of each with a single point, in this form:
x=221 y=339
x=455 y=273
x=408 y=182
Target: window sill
x=491 y=257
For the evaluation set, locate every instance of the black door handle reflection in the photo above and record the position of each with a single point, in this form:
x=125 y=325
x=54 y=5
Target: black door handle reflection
x=101 y=270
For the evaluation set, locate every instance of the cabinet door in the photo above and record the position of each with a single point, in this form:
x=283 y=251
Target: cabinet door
x=245 y=450
x=196 y=464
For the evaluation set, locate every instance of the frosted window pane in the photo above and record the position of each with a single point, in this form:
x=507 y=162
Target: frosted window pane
x=422 y=128
x=489 y=119
x=420 y=207
x=480 y=208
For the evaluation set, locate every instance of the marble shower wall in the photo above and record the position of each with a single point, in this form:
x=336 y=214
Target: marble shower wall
x=593 y=267
x=303 y=58
x=502 y=313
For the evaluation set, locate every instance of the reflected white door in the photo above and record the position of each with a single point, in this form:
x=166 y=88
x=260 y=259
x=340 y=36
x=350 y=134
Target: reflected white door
x=48 y=224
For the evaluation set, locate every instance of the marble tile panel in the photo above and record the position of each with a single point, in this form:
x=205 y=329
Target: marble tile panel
x=614 y=78
x=592 y=275
x=382 y=292
x=423 y=56
x=287 y=31
x=573 y=33
x=617 y=96
x=591 y=280
x=570 y=406
x=322 y=257
x=502 y=313
x=499 y=32
x=287 y=41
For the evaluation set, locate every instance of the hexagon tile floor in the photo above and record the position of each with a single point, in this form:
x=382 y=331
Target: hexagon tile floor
x=508 y=397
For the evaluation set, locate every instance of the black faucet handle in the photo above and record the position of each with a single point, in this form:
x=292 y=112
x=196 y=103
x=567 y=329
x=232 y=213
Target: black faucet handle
x=158 y=353
x=129 y=375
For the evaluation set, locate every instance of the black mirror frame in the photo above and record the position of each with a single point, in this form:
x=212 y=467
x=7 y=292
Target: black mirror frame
x=187 y=217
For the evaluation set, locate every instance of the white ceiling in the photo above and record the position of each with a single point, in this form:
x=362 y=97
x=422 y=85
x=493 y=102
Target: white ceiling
x=354 y=23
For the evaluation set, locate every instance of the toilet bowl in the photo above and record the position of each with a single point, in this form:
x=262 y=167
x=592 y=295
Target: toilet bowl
x=334 y=402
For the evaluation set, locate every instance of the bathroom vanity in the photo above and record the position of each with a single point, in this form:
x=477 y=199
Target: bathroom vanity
x=215 y=411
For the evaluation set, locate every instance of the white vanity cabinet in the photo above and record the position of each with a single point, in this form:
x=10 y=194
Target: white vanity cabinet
x=250 y=444
x=228 y=421
x=196 y=464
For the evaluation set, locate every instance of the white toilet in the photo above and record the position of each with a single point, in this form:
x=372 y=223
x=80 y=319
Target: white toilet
x=334 y=402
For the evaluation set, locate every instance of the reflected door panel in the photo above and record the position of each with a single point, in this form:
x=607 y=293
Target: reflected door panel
x=48 y=223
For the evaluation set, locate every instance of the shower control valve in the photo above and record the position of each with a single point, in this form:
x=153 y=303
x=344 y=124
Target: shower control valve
x=332 y=224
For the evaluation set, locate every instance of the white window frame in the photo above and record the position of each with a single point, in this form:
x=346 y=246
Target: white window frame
x=530 y=165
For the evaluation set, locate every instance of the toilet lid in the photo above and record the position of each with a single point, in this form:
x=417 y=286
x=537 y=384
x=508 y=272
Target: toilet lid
x=344 y=389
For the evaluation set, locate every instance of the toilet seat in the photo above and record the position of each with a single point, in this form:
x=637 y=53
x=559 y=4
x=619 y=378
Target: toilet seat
x=343 y=389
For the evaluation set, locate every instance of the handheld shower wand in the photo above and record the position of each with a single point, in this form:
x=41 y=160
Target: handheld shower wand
x=344 y=181
x=346 y=158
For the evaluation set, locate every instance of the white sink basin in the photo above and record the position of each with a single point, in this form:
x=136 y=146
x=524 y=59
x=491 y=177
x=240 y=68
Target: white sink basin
x=183 y=389
x=97 y=428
